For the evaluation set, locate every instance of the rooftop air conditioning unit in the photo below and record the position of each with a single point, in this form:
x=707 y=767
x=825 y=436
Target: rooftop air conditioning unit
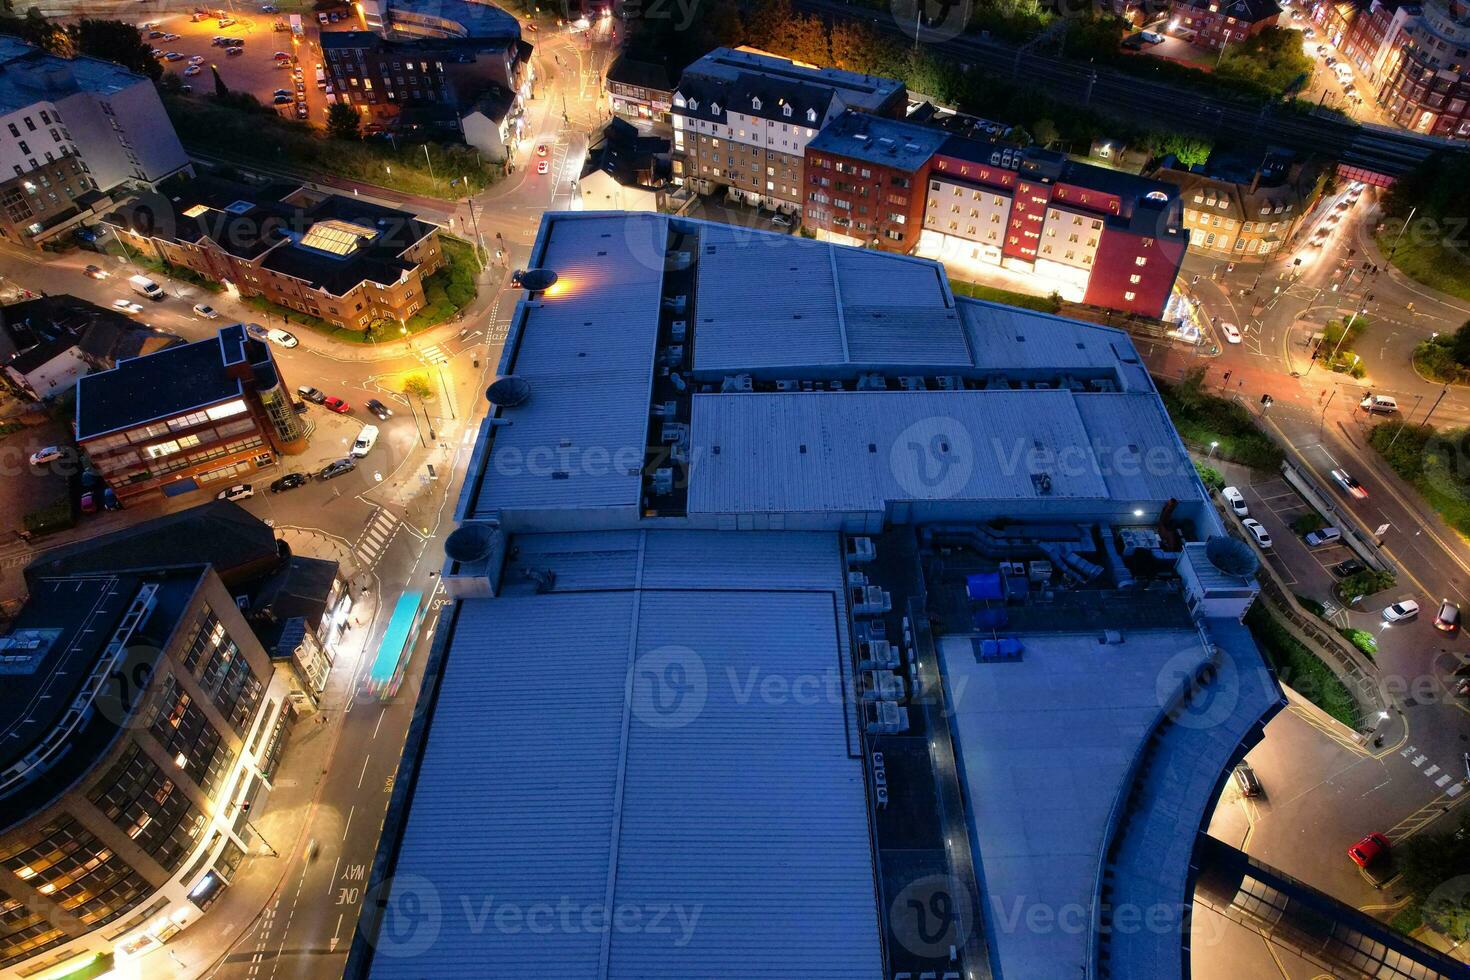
x=679 y=330
x=676 y=303
x=663 y=480
x=786 y=384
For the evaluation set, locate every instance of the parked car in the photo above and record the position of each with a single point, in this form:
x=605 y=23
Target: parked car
x=1236 y=500
x=1401 y=612
x=1350 y=567
x=109 y=500
x=1230 y=331
x=542 y=167
x=234 y=50
x=1369 y=850
x=93 y=272
x=366 y=440
x=1321 y=536
x=173 y=56
x=289 y=482
x=281 y=338
x=127 y=306
x=206 y=311
x=48 y=455
x=314 y=395
x=192 y=70
x=240 y=491
x=335 y=404
x=336 y=469
x=301 y=110
x=542 y=150
x=280 y=99
x=255 y=330
x=1258 y=531
x=89 y=502
x=383 y=412
x=1447 y=620
x=1353 y=487
x=1246 y=781
x=781 y=220
x=1152 y=37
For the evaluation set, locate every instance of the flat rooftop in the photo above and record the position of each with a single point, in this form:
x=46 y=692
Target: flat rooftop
x=29 y=75
x=877 y=140
x=736 y=816
x=155 y=386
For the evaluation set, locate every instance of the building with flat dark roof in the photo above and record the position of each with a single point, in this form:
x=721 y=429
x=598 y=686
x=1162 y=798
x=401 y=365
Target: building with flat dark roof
x=139 y=717
x=640 y=90
x=47 y=343
x=348 y=261
x=187 y=417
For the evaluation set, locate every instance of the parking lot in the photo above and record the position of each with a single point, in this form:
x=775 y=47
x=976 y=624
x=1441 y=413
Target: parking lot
x=255 y=70
x=1276 y=504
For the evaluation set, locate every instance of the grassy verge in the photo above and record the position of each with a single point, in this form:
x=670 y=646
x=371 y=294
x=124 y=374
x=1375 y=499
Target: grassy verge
x=1300 y=668
x=1203 y=419
x=250 y=134
x=1434 y=462
x=1044 y=304
x=1426 y=259
x=114 y=247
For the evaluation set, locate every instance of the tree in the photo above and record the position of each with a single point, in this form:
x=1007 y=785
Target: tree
x=1045 y=132
x=1460 y=345
x=418 y=386
x=171 y=84
x=221 y=90
x=343 y=122
x=1429 y=864
x=112 y=40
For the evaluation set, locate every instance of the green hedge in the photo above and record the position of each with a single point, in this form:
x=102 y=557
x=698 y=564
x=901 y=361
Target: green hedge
x=48 y=520
x=1436 y=463
x=1203 y=418
x=1300 y=668
x=1026 y=301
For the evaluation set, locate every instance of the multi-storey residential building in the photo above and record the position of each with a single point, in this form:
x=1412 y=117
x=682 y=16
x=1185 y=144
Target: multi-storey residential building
x=865 y=180
x=69 y=128
x=1100 y=236
x=141 y=720
x=742 y=120
x=47 y=343
x=640 y=90
x=1245 y=213
x=1413 y=58
x=1215 y=23
x=188 y=416
x=384 y=77
x=349 y=262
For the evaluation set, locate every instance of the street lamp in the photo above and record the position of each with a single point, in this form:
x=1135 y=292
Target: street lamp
x=1214 y=444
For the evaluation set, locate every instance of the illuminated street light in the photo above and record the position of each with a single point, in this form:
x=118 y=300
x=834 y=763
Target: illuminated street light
x=1214 y=444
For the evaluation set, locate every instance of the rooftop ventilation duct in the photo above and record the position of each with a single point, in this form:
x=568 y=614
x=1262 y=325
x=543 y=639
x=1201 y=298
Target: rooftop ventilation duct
x=1231 y=556
x=535 y=280
x=509 y=392
x=470 y=543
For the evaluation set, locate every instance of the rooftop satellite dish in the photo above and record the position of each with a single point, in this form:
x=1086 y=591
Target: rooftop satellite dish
x=470 y=543
x=509 y=392
x=535 y=280
x=1231 y=556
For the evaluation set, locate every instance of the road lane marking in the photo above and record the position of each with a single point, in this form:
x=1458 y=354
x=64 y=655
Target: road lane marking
x=380 y=722
x=348 y=825
x=364 y=770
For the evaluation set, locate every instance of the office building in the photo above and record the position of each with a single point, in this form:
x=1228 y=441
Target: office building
x=746 y=509
x=70 y=130
x=187 y=417
x=348 y=262
x=126 y=808
x=743 y=118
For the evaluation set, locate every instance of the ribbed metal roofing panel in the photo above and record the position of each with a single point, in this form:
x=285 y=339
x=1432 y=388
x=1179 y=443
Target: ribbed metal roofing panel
x=742 y=559
x=1141 y=454
x=742 y=321
x=587 y=352
x=852 y=451
x=582 y=561
x=867 y=278
x=1007 y=338
x=753 y=813
x=514 y=800
x=882 y=336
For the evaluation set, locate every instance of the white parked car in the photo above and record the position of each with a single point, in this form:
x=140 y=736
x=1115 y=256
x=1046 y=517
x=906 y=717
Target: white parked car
x=127 y=306
x=281 y=337
x=1258 y=531
x=1400 y=611
x=366 y=439
x=1236 y=500
x=47 y=455
x=240 y=491
x=1231 y=331
x=206 y=311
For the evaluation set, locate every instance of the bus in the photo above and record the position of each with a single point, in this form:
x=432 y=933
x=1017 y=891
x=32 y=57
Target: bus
x=395 y=647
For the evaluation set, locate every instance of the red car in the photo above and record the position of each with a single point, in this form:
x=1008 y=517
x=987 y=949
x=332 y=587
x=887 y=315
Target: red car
x=337 y=405
x=542 y=167
x=1366 y=852
x=541 y=150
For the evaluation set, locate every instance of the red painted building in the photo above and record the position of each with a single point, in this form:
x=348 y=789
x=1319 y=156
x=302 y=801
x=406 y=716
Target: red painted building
x=1216 y=23
x=865 y=177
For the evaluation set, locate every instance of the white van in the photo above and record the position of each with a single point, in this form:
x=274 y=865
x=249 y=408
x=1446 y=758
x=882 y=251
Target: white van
x=1383 y=404
x=144 y=286
x=366 y=439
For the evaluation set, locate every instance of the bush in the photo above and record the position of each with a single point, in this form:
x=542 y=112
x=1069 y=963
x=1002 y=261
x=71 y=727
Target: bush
x=1300 y=668
x=418 y=386
x=1203 y=418
x=1436 y=463
x=48 y=520
x=1310 y=605
x=1308 y=523
x=1362 y=639
x=1364 y=583
x=1212 y=478
x=1426 y=862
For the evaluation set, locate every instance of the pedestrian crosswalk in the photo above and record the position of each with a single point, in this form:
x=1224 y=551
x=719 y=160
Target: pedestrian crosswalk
x=376 y=537
x=1441 y=779
x=434 y=354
